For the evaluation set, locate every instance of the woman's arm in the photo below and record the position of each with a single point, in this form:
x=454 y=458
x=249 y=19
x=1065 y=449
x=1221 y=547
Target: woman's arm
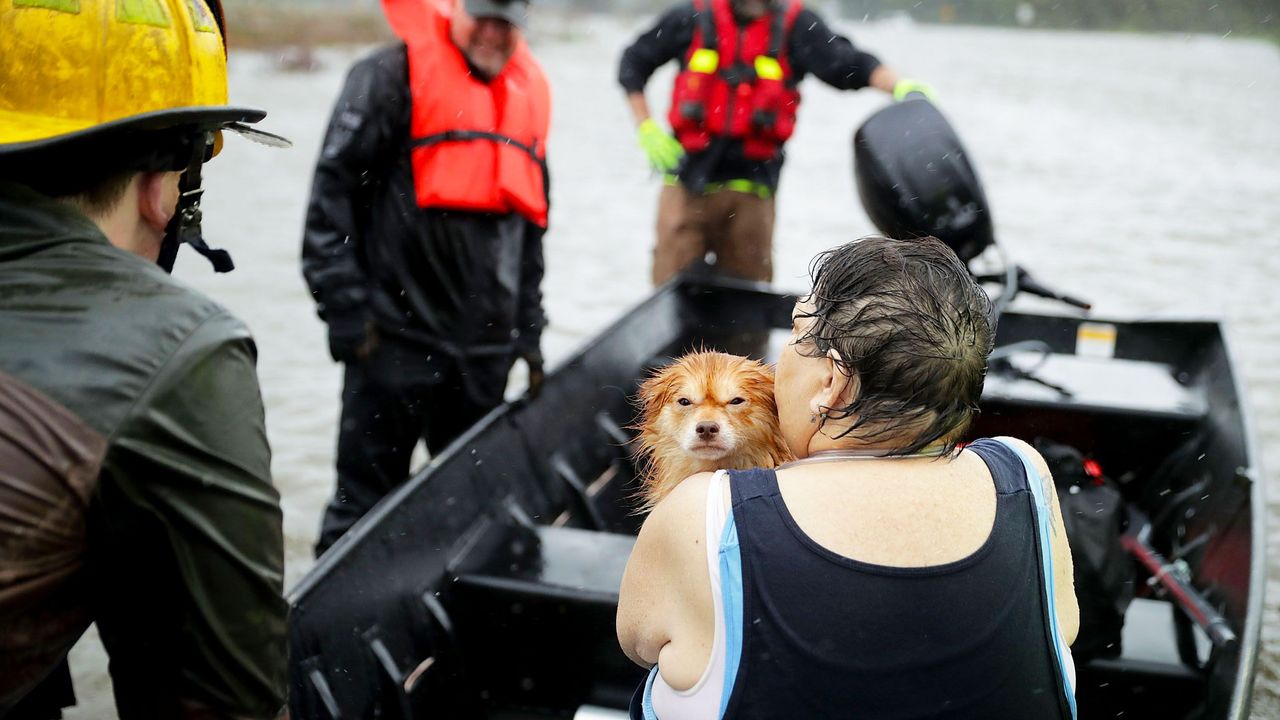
x=665 y=590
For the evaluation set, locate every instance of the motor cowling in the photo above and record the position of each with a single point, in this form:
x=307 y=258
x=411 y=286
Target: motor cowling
x=914 y=178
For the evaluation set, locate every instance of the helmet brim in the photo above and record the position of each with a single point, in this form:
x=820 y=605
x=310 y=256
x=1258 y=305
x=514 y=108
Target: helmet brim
x=33 y=133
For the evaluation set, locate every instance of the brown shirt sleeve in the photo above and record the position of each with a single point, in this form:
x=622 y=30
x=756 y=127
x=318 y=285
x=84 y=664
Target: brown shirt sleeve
x=49 y=464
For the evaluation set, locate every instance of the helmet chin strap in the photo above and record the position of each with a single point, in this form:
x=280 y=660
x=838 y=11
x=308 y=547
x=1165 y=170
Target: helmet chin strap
x=184 y=226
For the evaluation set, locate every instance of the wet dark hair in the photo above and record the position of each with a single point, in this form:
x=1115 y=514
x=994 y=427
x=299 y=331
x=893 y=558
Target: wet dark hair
x=102 y=196
x=98 y=183
x=908 y=319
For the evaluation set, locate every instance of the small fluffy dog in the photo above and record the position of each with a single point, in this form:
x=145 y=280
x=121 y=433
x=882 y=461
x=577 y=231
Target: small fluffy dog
x=705 y=411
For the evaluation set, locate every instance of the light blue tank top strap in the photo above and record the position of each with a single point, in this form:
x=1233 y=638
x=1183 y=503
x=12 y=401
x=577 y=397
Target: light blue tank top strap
x=646 y=698
x=1044 y=532
x=731 y=593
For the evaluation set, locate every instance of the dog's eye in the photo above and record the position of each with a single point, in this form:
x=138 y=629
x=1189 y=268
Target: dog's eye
x=737 y=401
x=684 y=401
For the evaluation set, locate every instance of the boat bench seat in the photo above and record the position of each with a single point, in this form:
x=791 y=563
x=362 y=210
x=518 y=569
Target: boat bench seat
x=585 y=565
x=540 y=630
x=1099 y=386
x=1111 y=407
x=1149 y=666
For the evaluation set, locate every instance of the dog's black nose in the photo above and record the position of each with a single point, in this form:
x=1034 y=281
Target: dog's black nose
x=707 y=429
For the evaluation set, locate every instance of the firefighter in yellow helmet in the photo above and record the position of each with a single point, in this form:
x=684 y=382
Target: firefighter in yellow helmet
x=135 y=486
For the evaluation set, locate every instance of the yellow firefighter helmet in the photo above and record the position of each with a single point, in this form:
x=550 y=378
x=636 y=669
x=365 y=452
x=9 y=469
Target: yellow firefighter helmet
x=74 y=69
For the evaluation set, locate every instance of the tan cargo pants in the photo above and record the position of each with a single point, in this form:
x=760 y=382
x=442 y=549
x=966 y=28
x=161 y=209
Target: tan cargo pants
x=736 y=226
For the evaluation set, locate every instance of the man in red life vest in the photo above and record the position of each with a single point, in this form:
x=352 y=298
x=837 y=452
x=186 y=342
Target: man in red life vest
x=423 y=240
x=733 y=108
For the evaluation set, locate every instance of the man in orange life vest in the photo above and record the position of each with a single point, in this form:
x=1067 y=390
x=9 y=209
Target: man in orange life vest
x=733 y=108
x=423 y=240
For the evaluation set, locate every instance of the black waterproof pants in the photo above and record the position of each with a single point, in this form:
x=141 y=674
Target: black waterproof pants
x=398 y=395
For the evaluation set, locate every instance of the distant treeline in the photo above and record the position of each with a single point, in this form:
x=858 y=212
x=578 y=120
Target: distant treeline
x=1245 y=17
x=325 y=20
x=1222 y=17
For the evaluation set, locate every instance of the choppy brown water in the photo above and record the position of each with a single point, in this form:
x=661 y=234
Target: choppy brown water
x=1141 y=172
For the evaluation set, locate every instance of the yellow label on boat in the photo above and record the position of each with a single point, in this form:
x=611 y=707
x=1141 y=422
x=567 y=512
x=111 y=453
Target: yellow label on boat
x=1096 y=340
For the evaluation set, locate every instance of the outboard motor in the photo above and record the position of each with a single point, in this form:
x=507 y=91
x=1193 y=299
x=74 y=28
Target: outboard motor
x=914 y=178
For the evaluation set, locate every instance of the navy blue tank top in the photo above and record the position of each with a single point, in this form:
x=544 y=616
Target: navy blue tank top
x=825 y=636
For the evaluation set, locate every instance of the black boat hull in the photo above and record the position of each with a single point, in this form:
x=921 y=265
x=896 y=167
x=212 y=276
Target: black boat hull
x=485 y=587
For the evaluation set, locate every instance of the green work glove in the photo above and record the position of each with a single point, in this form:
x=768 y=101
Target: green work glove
x=663 y=150
x=906 y=86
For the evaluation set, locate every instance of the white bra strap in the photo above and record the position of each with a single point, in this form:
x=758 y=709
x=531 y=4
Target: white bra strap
x=716 y=516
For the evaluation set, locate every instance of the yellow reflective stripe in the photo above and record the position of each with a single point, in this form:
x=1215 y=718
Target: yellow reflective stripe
x=142 y=12
x=747 y=187
x=67 y=6
x=767 y=68
x=704 y=60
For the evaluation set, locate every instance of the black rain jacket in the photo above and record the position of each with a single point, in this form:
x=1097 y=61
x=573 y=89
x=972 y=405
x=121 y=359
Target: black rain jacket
x=135 y=476
x=467 y=284
x=812 y=48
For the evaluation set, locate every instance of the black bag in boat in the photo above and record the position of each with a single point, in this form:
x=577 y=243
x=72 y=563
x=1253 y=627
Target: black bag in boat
x=1093 y=512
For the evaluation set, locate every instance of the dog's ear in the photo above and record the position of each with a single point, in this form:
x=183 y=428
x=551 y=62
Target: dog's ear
x=657 y=390
x=757 y=379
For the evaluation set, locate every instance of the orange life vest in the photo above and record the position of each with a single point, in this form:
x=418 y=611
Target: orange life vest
x=477 y=146
x=737 y=82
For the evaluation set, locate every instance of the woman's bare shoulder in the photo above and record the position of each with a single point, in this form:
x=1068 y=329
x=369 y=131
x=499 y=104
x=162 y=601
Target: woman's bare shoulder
x=1026 y=448
x=680 y=514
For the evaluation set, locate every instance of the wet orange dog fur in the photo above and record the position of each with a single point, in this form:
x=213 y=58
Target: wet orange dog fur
x=705 y=411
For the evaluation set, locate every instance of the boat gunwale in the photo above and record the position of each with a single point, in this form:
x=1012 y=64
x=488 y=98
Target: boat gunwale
x=1251 y=633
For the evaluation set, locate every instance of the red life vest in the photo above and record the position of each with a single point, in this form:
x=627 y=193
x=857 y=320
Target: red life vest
x=477 y=146
x=737 y=82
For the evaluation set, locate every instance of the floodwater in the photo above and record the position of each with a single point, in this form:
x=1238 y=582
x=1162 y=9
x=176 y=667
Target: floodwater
x=1139 y=171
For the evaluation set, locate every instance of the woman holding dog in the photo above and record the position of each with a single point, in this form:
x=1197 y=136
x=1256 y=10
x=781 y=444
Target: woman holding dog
x=884 y=573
